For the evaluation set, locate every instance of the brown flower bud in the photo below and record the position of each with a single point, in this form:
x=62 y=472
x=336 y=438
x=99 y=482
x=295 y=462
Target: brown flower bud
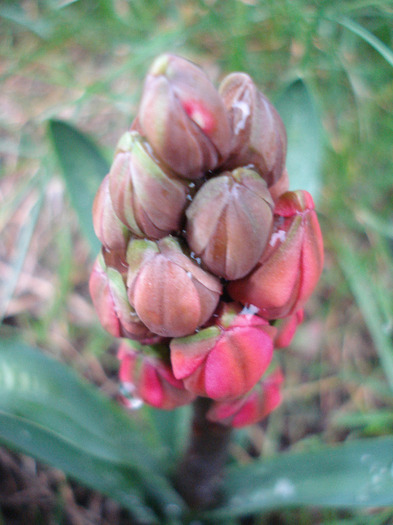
x=109 y=296
x=107 y=226
x=170 y=293
x=259 y=136
x=229 y=222
x=183 y=117
x=145 y=197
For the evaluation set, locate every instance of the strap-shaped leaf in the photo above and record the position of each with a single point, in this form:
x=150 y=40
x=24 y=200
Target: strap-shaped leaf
x=48 y=412
x=297 y=109
x=84 y=168
x=355 y=474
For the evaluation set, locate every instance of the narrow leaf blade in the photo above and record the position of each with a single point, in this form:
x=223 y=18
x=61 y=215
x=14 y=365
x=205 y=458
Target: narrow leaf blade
x=368 y=37
x=84 y=168
x=112 y=480
x=302 y=123
x=356 y=275
x=22 y=244
x=50 y=413
x=356 y=474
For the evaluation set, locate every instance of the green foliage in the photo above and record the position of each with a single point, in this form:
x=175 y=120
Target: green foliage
x=304 y=156
x=84 y=168
x=353 y=475
x=48 y=412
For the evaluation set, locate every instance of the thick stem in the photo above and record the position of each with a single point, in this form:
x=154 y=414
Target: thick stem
x=199 y=474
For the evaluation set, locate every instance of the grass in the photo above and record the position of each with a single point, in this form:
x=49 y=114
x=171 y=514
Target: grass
x=84 y=61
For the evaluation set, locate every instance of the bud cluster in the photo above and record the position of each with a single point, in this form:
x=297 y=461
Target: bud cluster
x=207 y=258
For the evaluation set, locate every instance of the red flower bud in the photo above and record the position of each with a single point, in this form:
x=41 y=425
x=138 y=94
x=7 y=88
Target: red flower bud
x=107 y=226
x=253 y=406
x=146 y=376
x=291 y=265
x=145 y=197
x=183 y=117
x=109 y=296
x=227 y=359
x=170 y=293
x=259 y=136
x=286 y=329
x=229 y=222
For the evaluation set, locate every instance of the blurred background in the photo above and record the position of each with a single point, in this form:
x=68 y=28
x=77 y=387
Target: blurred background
x=328 y=68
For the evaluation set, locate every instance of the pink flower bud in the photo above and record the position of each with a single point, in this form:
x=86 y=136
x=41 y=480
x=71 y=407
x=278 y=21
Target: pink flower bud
x=226 y=359
x=253 y=406
x=259 y=136
x=107 y=226
x=291 y=265
x=230 y=221
x=145 y=197
x=170 y=293
x=286 y=329
x=183 y=117
x=280 y=186
x=109 y=296
x=146 y=376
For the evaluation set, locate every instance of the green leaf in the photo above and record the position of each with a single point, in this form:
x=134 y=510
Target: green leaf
x=355 y=474
x=46 y=411
x=172 y=427
x=84 y=168
x=304 y=132
x=368 y=37
x=19 y=16
x=22 y=243
x=357 y=275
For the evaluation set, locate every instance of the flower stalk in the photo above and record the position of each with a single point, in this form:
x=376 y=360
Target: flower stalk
x=199 y=475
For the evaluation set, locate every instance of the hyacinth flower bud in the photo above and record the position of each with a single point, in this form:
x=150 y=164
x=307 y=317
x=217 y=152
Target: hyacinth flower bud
x=183 y=117
x=292 y=263
x=109 y=296
x=286 y=329
x=226 y=359
x=145 y=196
x=259 y=136
x=145 y=376
x=171 y=294
x=229 y=222
x=280 y=187
x=107 y=226
x=253 y=406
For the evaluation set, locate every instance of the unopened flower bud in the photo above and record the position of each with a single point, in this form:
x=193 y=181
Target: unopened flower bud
x=253 y=406
x=147 y=377
x=171 y=294
x=280 y=186
x=107 y=226
x=145 y=197
x=226 y=359
x=291 y=264
x=286 y=329
x=109 y=296
x=259 y=136
x=229 y=222
x=183 y=117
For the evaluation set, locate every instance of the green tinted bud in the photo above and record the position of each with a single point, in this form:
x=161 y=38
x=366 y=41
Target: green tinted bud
x=145 y=197
x=170 y=293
